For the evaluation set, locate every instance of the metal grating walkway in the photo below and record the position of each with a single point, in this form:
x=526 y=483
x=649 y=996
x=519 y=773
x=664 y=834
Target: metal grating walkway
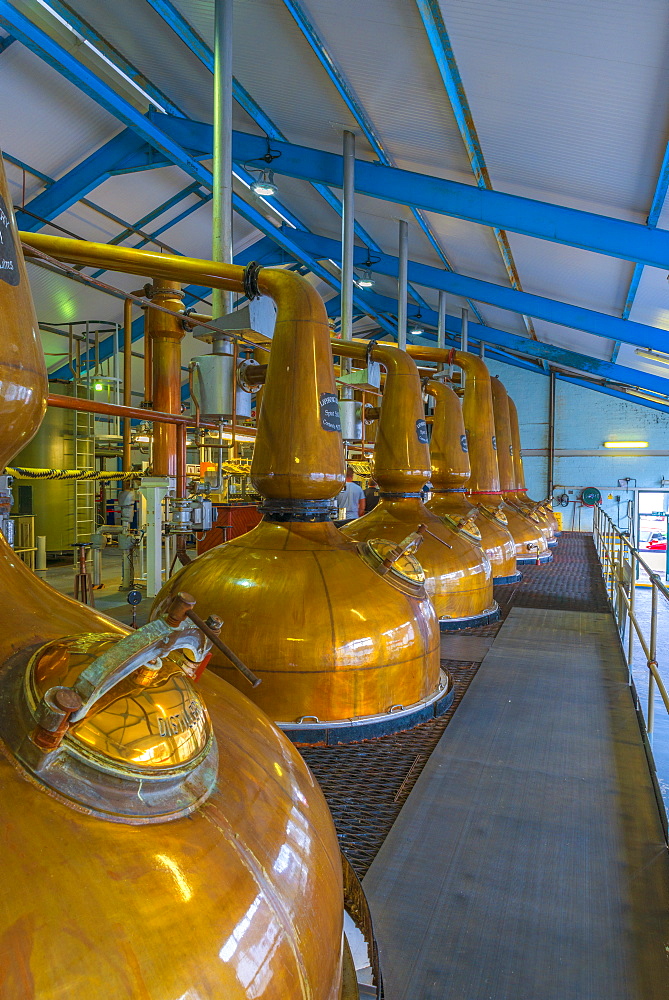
x=529 y=863
x=366 y=784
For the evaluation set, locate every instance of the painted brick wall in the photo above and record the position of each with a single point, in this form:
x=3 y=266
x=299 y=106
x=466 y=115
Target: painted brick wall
x=585 y=418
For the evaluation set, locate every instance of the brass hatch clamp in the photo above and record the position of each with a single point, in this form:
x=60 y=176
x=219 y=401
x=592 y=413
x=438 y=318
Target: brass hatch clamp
x=124 y=735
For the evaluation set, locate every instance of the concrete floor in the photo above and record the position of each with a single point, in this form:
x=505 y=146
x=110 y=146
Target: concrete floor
x=109 y=599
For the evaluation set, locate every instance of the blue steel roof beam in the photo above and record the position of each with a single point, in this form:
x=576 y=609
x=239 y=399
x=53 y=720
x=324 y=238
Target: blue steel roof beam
x=61 y=60
x=6 y=42
x=539 y=351
x=442 y=50
x=657 y=204
x=184 y=30
x=88 y=33
x=85 y=79
x=358 y=112
x=515 y=213
x=550 y=310
x=80 y=181
x=44 y=178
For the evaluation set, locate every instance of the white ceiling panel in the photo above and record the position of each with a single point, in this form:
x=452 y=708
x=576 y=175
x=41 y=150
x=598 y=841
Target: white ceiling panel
x=567 y=97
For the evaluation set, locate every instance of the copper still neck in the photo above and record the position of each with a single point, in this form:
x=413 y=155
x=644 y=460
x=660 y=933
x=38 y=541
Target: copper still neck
x=519 y=471
x=505 y=457
x=401 y=451
x=448 y=447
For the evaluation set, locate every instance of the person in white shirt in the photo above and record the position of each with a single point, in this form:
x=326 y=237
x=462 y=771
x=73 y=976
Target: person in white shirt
x=352 y=497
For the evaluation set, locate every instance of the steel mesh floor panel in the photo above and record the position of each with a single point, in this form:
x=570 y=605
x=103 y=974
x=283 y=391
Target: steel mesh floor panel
x=367 y=783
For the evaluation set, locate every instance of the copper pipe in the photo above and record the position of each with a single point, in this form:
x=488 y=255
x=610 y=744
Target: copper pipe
x=132 y=412
x=306 y=462
x=127 y=379
x=148 y=364
x=180 y=464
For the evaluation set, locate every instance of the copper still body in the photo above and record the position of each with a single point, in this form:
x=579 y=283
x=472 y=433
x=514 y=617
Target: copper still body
x=529 y=533
x=458 y=577
x=160 y=837
x=542 y=508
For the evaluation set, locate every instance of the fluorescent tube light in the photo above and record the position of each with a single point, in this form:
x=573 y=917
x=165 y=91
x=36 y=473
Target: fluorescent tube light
x=625 y=444
x=657 y=356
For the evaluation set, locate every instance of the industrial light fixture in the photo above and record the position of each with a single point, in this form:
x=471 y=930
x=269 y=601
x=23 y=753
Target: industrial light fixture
x=417 y=327
x=367 y=281
x=264 y=185
x=98 y=386
x=625 y=444
x=657 y=356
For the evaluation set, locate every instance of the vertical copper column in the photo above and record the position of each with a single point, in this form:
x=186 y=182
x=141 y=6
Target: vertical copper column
x=165 y=333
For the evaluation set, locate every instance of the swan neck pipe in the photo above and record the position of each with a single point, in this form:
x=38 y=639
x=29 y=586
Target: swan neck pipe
x=298 y=453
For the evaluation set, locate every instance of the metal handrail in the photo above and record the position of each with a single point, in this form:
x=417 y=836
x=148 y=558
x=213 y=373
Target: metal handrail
x=618 y=555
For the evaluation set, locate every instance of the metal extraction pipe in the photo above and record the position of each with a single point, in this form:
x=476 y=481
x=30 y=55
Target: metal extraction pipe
x=464 y=339
x=347 y=234
x=221 y=241
x=402 y=285
x=127 y=379
x=441 y=326
x=551 y=432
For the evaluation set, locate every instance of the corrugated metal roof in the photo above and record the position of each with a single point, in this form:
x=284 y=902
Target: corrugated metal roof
x=570 y=101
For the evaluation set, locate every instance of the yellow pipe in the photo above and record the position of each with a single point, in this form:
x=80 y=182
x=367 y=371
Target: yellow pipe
x=457 y=571
x=180 y=869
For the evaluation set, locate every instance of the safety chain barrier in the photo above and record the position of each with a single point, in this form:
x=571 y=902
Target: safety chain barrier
x=67 y=474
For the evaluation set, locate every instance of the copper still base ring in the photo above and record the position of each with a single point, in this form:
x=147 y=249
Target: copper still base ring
x=544 y=558
x=486 y=617
x=502 y=581
x=369 y=726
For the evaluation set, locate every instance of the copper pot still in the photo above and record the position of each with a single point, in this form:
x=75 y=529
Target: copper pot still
x=160 y=837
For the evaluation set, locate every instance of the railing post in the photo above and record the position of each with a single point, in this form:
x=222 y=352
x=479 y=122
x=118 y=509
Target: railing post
x=630 y=625
x=653 y=659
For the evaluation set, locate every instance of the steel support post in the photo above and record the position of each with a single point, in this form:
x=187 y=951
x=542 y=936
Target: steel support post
x=402 y=285
x=222 y=190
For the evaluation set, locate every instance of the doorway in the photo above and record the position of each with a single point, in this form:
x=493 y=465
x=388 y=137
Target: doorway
x=652 y=516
